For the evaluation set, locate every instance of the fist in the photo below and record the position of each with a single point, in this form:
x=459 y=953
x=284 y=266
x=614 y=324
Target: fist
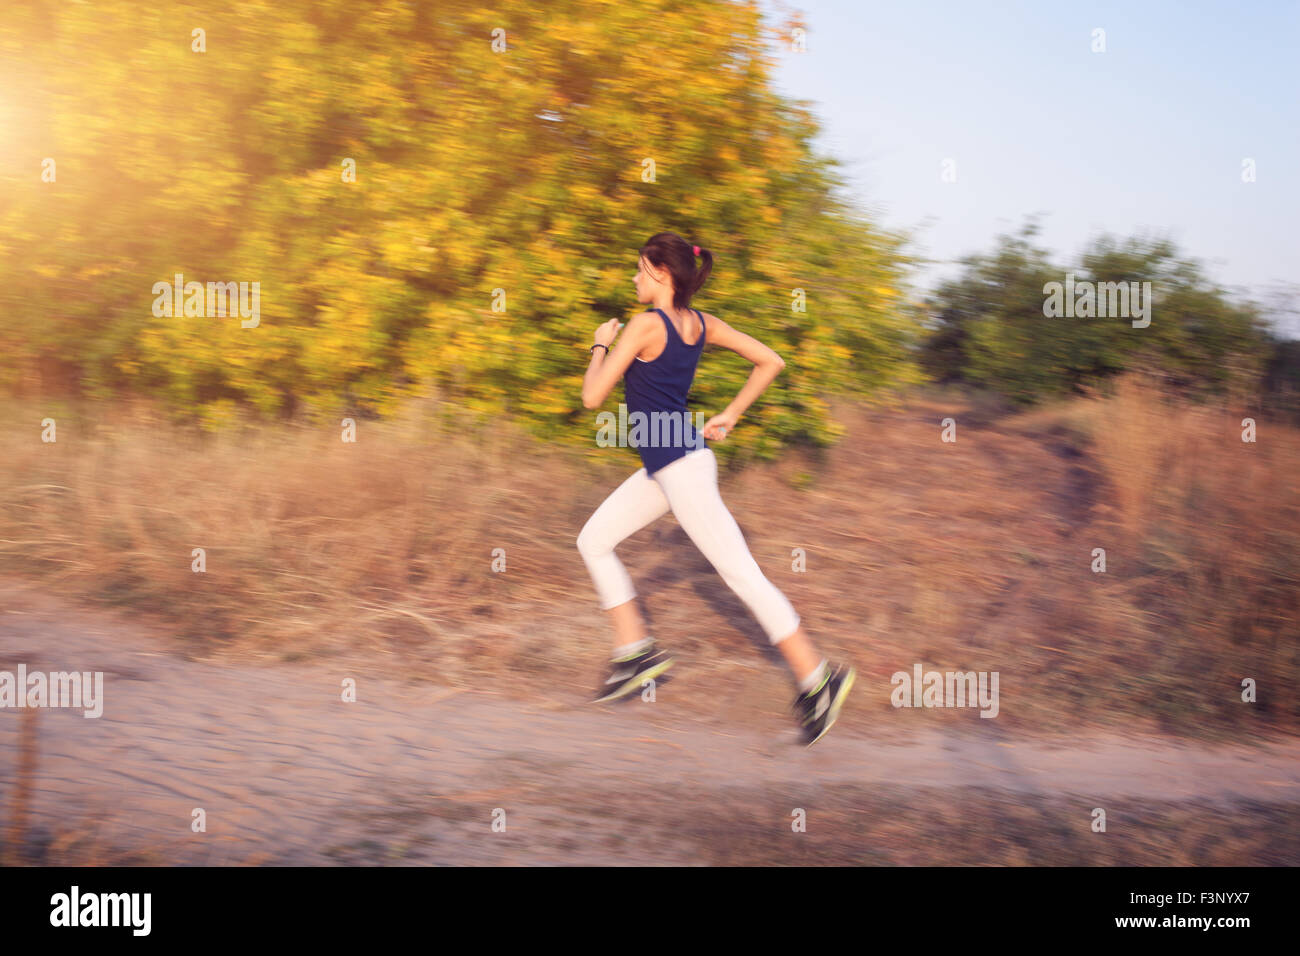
x=605 y=333
x=719 y=427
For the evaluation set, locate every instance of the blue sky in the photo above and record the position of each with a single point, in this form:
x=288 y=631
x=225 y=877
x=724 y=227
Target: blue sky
x=1145 y=138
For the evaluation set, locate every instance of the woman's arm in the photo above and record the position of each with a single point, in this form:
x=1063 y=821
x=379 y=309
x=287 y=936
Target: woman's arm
x=767 y=366
x=607 y=368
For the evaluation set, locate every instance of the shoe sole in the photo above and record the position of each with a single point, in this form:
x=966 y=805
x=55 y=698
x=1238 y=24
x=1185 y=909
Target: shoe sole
x=836 y=704
x=633 y=683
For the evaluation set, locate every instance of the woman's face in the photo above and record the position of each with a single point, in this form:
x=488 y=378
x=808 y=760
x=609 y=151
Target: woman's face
x=645 y=281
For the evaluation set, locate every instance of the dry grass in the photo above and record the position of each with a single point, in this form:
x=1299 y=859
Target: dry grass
x=1206 y=532
x=973 y=555
x=311 y=543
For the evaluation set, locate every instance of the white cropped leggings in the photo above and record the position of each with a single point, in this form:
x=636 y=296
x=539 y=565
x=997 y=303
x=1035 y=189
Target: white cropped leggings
x=689 y=488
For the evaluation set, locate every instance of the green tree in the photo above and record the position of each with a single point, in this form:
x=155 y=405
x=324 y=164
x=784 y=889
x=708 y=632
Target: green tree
x=495 y=149
x=991 y=328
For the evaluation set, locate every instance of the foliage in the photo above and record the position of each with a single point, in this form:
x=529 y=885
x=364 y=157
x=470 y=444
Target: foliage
x=991 y=329
x=477 y=170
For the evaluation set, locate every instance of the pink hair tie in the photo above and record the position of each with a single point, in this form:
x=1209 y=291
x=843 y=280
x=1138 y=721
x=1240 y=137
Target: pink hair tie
x=697 y=250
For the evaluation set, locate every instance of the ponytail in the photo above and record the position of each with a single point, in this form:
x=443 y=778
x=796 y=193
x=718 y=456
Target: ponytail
x=667 y=250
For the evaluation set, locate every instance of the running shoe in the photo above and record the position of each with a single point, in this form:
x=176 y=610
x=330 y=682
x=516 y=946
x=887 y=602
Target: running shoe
x=818 y=709
x=628 y=674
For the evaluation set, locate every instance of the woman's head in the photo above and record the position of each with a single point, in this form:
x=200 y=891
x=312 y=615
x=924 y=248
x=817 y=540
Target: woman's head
x=667 y=261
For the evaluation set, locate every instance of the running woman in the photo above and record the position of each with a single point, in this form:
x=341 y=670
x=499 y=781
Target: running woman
x=656 y=357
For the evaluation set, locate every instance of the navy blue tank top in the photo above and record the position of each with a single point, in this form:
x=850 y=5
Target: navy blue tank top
x=657 y=389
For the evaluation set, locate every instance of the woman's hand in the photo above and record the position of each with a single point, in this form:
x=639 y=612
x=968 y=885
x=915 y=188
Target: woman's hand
x=605 y=334
x=719 y=427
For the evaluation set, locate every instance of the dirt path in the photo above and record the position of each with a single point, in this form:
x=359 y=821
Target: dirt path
x=287 y=772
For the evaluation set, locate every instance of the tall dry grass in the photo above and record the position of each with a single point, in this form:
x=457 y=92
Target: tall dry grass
x=311 y=544
x=974 y=555
x=1205 y=538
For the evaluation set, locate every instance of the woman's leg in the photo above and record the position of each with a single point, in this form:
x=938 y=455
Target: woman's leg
x=691 y=486
x=629 y=508
x=802 y=657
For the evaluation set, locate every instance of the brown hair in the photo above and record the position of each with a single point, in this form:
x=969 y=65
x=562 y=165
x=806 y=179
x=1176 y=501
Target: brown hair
x=669 y=250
